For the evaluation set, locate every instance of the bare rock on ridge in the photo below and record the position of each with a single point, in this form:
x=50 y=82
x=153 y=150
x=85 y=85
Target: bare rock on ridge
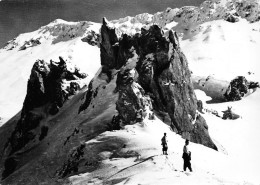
x=45 y=95
x=153 y=63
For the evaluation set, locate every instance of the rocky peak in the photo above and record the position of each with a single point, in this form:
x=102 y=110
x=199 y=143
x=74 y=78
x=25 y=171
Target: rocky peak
x=46 y=84
x=108 y=45
x=152 y=70
x=240 y=87
x=45 y=95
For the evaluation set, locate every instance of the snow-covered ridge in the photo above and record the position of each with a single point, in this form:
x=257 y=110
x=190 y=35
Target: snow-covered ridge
x=188 y=17
x=55 y=32
x=178 y=19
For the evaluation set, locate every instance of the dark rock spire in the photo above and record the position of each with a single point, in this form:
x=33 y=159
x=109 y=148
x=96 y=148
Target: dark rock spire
x=161 y=71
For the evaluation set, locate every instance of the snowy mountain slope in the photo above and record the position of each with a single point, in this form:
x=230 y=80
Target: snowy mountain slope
x=46 y=160
x=141 y=161
x=132 y=155
x=223 y=50
x=239 y=137
x=59 y=38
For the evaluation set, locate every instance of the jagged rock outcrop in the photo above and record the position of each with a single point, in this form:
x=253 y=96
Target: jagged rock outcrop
x=46 y=85
x=30 y=43
x=199 y=133
x=152 y=68
x=92 y=38
x=239 y=87
x=45 y=95
x=229 y=114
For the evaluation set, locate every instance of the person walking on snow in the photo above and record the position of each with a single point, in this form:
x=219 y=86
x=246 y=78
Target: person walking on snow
x=186 y=157
x=164 y=144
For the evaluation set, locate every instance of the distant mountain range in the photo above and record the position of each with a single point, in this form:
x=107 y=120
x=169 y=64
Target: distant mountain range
x=20 y=16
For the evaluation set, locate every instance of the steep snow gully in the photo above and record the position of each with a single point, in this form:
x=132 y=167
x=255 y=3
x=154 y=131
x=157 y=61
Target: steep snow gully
x=100 y=97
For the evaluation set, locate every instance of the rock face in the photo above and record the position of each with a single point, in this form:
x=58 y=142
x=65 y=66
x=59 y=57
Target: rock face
x=238 y=88
x=152 y=68
x=45 y=95
x=92 y=38
x=229 y=114
x=30 y=43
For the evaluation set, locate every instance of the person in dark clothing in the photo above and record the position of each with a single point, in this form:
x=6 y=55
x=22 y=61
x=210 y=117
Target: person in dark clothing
x=164 y=145
x=186 y=156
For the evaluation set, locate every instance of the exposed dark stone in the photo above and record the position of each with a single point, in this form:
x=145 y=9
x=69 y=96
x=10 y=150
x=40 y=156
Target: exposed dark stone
x=115 y=123
x=76 y=131
x=231 y=18
x=92 y=38
x=22 y=133
x=44 y=91
x=54 y=109
x=79 y=74
x=30 y=43
x=253 y=85
x=45 y=84
x=129 y=105
x=71 y=166
x=73 y=88
x=10 y=166
x=238 y=88
x=128 y=154
x=44 y=132
x=161 y=71
x=152 y=117
x=200 y=106
x=229 y=114
x=87 y=98
x=108 y=46
x=197 y=135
